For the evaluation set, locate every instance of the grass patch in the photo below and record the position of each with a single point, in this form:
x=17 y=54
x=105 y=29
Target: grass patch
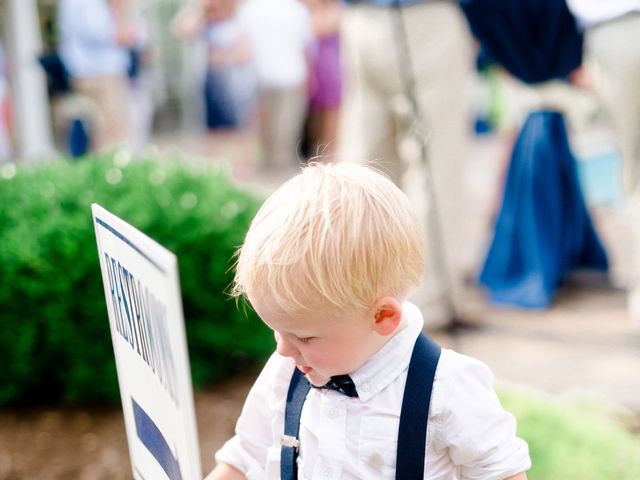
x=571 y=438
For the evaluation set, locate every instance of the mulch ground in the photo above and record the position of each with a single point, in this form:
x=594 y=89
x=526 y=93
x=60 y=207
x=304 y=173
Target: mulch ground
x=89 y=443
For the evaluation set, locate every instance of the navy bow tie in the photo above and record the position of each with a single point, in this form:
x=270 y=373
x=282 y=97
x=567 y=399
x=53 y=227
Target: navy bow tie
x=342 y=384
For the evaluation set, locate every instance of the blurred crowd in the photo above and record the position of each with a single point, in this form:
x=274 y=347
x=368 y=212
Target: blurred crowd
x=284 y=81
x=271 y=75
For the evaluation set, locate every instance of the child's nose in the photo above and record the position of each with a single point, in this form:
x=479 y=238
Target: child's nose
x=285 y=348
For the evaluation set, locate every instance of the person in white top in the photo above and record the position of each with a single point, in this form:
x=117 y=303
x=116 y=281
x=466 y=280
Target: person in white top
x=327 y=264
x=612 y=51
x=281 y=34
x=95 y=37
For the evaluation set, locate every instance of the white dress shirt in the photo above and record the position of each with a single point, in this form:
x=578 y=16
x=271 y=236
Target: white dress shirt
x=469 y=435
x=592 y=12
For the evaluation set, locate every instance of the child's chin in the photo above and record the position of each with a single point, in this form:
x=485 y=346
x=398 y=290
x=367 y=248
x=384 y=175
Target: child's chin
x=316 y=379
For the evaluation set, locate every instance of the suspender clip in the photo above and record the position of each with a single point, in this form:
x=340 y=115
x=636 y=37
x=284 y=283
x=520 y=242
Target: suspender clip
x=289 y=441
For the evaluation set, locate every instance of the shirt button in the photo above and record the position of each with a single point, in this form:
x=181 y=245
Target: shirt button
x=333 y=413
x=326 y=472
x=366 y=386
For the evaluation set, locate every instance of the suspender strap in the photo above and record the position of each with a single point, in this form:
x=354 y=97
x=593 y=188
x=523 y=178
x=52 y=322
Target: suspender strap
x=298 y=389
x=412 y=434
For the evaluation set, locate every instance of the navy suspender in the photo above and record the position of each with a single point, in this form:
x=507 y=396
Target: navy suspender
x=298 y=389
x=412 y=433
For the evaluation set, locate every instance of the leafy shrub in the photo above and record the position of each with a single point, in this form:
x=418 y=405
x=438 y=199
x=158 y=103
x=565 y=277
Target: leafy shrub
x=55 y=344
x=573 y=440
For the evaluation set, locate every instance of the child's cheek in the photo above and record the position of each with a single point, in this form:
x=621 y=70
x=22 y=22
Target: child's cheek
x=314 y=358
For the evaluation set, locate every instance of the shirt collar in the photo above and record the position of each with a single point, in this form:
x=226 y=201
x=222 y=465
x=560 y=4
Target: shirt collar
x=392 y=359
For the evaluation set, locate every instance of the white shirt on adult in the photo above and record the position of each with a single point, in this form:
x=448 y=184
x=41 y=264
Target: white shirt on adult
x=469 y=434
x=280 y=32
x=592 y=12
x=88 y=44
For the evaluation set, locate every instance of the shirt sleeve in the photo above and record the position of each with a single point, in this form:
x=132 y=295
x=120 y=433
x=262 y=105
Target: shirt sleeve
x=248 y=449
x=478 y=433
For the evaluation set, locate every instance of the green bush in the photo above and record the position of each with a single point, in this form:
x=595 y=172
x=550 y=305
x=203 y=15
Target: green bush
x=55 y=343
x=573 y=440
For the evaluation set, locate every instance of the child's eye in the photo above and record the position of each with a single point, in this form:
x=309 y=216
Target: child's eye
x=305 y=339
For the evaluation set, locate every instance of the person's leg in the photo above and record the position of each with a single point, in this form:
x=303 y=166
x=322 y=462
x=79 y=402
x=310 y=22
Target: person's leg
x=377 y=115
x=441 y=61
x=328 y=131
x=267 y=100
x=613 y=51
x=110 y=96
x=287 y=119
x=368 y=131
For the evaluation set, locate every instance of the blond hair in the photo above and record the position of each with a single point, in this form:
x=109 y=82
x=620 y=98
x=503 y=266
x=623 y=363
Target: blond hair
x=336 y=237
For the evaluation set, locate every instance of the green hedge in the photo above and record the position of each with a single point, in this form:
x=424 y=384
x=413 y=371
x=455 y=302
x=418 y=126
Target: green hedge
x=55 y=344
x=572 y=439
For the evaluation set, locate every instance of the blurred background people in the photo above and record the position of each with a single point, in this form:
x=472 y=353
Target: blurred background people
x=612 y=51
x=95 y=37
x=325 y=82
x=396 y=51
x=5 y=141
x=229 y=83
x=281 y=34
x=141 y=81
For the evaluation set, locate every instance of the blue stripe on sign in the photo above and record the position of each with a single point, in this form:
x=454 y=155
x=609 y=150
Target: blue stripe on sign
x=152 y=438
x=104 y=224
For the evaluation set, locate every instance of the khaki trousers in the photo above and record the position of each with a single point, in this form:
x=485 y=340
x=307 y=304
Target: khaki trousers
x=377 y=126
x=110 y=95
x=613 y=53
x=282 y=114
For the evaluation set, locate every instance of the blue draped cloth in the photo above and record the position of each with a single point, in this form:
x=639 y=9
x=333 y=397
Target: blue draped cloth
x=543 y=229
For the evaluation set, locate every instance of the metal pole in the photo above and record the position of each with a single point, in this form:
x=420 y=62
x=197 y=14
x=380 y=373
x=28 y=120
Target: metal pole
x=28 y=85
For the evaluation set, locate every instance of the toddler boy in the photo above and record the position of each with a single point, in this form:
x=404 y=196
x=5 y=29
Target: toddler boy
x=327 y=264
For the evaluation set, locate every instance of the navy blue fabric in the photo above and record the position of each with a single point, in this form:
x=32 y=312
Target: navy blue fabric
x=297 y=394
x=543 y=229
x=58 y=78
x=155 y=443
x=535 y=40
x=412 y=433
x=342 y=384
x=221 y=112
x=78 y=138
x=135 y=63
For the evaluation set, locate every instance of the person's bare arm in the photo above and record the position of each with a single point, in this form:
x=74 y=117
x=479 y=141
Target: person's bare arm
x=224 y=471
x=518 y=476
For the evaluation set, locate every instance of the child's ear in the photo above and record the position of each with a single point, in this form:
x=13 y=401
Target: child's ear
x=388 y=315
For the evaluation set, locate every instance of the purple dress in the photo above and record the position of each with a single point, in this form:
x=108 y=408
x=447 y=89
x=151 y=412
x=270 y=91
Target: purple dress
x=326 y=83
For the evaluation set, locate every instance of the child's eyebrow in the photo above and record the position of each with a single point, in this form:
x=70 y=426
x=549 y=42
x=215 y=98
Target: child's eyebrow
x=299 y=333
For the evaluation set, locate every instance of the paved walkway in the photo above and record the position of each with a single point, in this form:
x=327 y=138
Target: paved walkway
x=584 y=344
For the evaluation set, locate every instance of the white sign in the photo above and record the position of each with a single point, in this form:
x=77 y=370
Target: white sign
x=142 y=290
